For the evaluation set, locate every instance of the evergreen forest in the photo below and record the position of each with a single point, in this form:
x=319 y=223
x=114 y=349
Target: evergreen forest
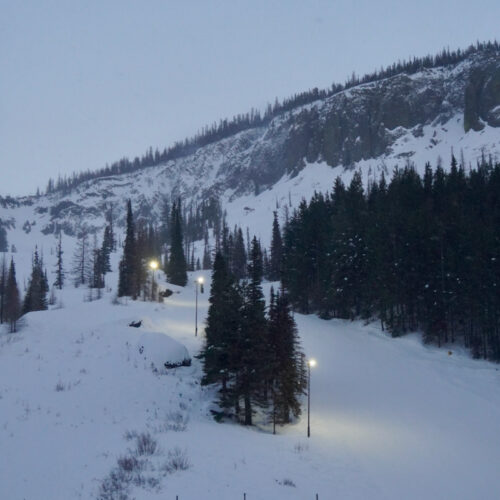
x=418 y=253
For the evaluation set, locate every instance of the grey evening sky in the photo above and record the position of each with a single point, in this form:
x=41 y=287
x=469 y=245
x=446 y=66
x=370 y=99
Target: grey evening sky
x=85 y=82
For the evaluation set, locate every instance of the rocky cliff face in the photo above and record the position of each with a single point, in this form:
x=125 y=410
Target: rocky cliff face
x=390 y=120
x=363 y=122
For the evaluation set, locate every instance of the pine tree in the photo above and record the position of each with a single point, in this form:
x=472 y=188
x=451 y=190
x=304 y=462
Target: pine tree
x=207 y=261
x=3 y=287
x=177 y=267
x=81 y=261
x=107 y=248
x=253 y=350
x=239 y=255
x=127 y=282
x=60 y=275
x=97 y=265
x=223 y=325
x=276 y=251
x=143 y=254
x=36 y=294
x=286 y=372
x=166 y=214
x=111 y=240
x=4 y=246
x=12 y=299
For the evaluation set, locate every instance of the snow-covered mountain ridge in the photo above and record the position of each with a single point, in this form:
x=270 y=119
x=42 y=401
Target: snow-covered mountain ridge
x=391 y=418
x=372 y=127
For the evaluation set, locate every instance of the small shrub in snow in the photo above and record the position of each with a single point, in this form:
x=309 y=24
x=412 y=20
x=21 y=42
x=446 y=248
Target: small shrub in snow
x=288 y=482
x=146 y=444
x=114 y=486
x=129 y=464
x=176 y=421
x=300 y=447
x=129 y=435
x=177 y=460
x=153 y=482
x=60 y=387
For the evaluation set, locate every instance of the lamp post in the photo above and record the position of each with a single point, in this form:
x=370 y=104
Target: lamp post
x=154 y=266
x=198 y=282
x=311 y=363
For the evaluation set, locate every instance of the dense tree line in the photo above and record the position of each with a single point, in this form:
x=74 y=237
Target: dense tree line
x=141 y=246
x=254 y=358
x=171 y=244
x=226 y=128
x=419 y=253
x=196 y=222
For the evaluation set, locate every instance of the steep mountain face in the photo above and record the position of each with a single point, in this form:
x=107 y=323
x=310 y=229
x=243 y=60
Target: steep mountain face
x=363 y=122
x=371 y=127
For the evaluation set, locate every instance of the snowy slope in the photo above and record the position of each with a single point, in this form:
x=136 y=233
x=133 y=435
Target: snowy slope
x=390 y=418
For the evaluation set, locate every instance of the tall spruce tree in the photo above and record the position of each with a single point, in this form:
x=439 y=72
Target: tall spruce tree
x=287 y=378
x=276 y=251
x=127 y=279
x=107 y=248
x=3 y=287
x=36 y=294
x=253 y=352
x=223 y=326
x=207 y=259
x=143 y=254
x=12 y=299
x=98 y=267
x=239 y=255
x=60 y=275
x=177 y=267
x=4 y=246
x=82 y=269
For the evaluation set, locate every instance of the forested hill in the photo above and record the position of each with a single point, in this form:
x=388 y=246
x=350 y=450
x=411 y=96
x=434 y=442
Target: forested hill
x=419 y=253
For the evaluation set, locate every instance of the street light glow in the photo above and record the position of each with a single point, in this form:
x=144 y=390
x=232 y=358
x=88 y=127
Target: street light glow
x=153 y=265
x=198 y=283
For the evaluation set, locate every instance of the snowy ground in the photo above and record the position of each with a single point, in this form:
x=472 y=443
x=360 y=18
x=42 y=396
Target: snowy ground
x=391 y=419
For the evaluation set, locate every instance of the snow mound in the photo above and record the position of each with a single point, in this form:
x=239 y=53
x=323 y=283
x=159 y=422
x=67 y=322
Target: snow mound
x=162 y=351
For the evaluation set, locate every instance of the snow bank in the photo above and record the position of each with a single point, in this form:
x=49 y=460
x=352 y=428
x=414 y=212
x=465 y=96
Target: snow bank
x=161 y=351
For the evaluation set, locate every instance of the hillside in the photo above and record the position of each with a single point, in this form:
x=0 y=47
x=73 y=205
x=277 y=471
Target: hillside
x=372 y=127
x=390 y=418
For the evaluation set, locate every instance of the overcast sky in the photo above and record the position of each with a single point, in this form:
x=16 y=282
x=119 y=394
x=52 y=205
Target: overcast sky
x=83 y=83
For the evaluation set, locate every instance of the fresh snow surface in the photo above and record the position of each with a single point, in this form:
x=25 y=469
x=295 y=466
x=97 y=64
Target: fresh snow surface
x=390 y=418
